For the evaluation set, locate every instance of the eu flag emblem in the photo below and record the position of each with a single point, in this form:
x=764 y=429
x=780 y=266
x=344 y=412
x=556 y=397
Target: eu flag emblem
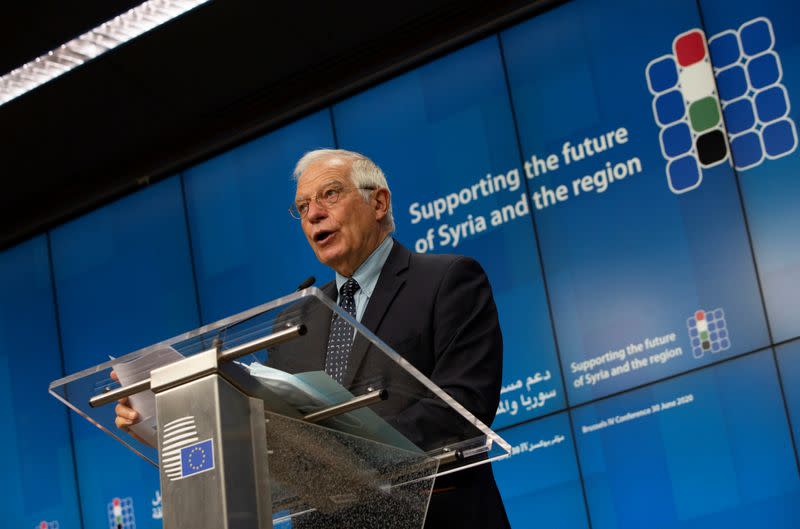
x=197 y=458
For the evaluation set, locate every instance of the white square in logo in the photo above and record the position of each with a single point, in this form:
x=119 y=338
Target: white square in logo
x=697 y=81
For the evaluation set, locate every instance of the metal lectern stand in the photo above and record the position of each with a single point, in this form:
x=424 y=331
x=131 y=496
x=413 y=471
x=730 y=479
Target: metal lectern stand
x=252 y=434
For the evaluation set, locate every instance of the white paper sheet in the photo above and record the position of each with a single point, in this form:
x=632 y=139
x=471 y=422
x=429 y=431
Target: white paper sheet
x=145 y=402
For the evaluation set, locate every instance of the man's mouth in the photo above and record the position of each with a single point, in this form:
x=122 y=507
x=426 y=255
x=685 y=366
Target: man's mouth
x=323 y=235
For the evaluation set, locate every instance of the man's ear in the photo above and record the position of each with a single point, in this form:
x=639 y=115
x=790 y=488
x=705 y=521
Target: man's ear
x=382 y=199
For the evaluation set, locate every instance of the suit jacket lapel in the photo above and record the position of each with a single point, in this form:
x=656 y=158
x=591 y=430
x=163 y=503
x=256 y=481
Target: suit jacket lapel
x=329 y=289
x=389 y=283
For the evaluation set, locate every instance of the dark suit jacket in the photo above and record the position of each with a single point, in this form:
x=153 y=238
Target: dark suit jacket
x=437 y=312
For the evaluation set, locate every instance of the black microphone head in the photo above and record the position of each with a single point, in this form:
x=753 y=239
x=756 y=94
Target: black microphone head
x=307 y=283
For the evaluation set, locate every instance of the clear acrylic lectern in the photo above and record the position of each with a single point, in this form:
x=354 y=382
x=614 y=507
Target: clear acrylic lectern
x=248 y=431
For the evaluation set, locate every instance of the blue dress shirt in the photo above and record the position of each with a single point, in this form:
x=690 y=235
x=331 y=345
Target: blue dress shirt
x=367 y=275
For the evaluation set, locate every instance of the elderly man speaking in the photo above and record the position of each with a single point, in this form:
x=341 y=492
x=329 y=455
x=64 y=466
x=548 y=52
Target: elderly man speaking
x=437 y=311
x=442 y=303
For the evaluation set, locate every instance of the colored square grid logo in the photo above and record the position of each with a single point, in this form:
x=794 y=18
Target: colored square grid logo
x=738 y=109
x=120 y=514
x=688 y=111
x=755 y=104
x=708 y=332
x=47 y=525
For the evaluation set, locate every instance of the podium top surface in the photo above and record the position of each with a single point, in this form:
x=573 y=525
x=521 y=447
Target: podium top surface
x=277 y=352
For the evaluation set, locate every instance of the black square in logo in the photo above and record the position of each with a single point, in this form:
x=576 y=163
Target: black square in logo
x=711 y=147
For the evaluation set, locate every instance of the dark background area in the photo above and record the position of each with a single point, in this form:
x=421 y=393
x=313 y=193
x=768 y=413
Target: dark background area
x=221 y=74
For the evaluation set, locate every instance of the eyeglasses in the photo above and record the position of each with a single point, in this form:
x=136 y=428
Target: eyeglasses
x=326 y=199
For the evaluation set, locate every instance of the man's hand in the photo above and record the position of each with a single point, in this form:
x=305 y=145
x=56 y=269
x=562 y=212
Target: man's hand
x=126 y=416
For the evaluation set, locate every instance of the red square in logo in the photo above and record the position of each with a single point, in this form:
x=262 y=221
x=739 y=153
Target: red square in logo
x=690 y=48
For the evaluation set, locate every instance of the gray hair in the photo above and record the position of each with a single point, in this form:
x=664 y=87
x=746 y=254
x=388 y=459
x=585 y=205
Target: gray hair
x=364 y=173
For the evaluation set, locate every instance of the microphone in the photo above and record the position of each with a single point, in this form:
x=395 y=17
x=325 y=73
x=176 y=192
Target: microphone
x=307 y=283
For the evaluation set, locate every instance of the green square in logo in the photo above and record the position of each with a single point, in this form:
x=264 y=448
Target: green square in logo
x=704 y=114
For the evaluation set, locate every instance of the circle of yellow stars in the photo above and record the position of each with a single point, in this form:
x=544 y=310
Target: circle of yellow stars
x=192 y=452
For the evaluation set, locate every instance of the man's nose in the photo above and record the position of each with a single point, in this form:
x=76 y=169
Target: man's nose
x=315 y=211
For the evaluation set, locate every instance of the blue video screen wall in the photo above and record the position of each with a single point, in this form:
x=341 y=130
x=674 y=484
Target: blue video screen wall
x=123 y=279
x=247 y=249
x=694 y=451
x=625 y=172
x=630 y=261
x=39 y=481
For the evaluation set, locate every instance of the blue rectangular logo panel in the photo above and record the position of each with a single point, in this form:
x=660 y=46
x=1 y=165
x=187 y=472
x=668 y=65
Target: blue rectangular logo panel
x=197 y=458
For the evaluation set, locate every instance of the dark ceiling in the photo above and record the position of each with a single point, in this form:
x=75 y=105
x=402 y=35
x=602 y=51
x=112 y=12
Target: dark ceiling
x=216 y=76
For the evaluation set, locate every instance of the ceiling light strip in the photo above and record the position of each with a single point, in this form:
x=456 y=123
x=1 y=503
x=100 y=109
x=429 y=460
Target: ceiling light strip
x=91 y=44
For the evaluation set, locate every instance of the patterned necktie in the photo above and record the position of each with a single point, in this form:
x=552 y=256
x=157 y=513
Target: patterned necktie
x=340 y=341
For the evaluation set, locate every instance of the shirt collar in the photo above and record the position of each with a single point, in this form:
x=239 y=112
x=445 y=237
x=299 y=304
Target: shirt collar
x=367 y=274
